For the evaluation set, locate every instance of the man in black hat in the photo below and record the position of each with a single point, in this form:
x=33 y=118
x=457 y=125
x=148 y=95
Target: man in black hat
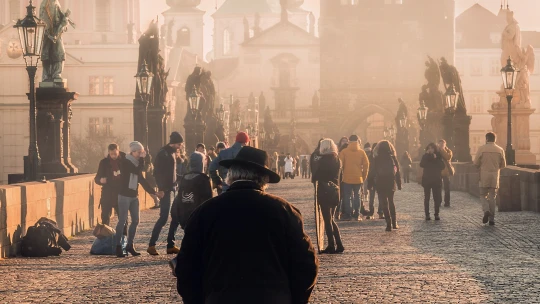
x=246 y=246
x=165 y=174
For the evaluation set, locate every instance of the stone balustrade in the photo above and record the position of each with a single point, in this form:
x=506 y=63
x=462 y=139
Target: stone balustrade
x=519 y=187
x=71 y=201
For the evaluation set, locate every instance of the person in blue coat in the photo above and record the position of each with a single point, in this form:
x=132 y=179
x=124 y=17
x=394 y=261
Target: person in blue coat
x=217 y=172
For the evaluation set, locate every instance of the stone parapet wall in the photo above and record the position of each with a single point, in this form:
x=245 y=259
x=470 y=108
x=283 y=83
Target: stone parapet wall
x=519 y=187
x=71 y=201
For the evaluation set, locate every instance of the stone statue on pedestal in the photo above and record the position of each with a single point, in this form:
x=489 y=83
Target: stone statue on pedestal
x=450 y=76
x=53 y=54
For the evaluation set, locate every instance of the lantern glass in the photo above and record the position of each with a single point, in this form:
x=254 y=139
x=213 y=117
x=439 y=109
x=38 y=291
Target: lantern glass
x=237 y=123
x=30 y=30
x=221 y=113
x=272 y=136
x=144 y=80
x=403 y=122
x=422 y=112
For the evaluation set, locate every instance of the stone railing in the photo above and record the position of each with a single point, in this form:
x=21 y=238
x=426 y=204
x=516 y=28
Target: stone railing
x=298 y=114
x=519 y=187
x=71 y=201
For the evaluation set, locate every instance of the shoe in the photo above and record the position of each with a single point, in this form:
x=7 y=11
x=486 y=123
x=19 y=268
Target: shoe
x=447 y=205
x=437 y=218
x=388 y=228
x=381 y=216
x=368 y=217
x=173 y=250
x=152 y=250
x=120 y=252
x=340 y=249
x=395 y=226
x=355 y=215
x=345 y=217
x=329 y=250
x=492 y=223
x=132 y=250
x=172 y=264
x=486 y=217
x=428 y=218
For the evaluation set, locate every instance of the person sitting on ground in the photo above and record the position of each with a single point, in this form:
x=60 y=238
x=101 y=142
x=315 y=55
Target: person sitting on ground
x=246 y=246
x=128 y=196
x=327 y=178
x=490 y=159
x=217 y=172
x=433 y=166
x=386 y=177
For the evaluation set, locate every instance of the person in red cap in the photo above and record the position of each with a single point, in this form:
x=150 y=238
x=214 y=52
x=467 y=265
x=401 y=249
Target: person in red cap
x=217 y=172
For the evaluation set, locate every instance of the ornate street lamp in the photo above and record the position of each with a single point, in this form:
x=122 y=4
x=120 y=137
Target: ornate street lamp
x=451 y=97
x=403 y=122
x=220 y=112
x=144 y=79
x=509 y=76
x=237 y=122
x=422 y=114
x=31 y=31
x=194 y=100
x=262 y=134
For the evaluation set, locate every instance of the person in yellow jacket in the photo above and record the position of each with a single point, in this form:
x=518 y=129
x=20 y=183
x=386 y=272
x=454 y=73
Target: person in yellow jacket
x=446 y=154
x=355 y=171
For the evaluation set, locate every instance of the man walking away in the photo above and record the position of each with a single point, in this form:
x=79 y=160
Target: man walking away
x=355 y=171
x=281 y=165
x=108 y=177
x=304 y=167
x=490 y=159
x=246 y=246
x=446 y=155
x=217 y=172
x=165 y=174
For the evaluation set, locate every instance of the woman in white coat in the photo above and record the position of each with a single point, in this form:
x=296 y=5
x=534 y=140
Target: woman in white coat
x=289 y=166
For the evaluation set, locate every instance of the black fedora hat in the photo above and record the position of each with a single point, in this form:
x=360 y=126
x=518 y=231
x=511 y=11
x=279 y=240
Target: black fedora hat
x=254 y=158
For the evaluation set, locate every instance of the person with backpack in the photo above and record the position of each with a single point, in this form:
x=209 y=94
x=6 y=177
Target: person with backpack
x=108 y=177
x=165 y=166
x=406 y=164
x=128 y=196
x=385 y=175
x=355 y=171
x=433 y=165
x=371 y=191
x=327 y=178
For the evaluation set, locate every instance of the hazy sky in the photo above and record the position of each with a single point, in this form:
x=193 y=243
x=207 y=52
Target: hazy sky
x=527 y=12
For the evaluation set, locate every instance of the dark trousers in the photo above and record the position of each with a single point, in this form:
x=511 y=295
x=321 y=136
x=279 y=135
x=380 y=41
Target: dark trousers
x=330 y=226
x=386 y=200
x=446 y=186
x=406 y=175
x=304 y=172
x=372 y=203
x=164 y=211
x=437 y=198
x=289 y=175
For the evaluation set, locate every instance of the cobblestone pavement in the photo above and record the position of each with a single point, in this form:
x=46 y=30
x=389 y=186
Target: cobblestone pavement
x=456 y=260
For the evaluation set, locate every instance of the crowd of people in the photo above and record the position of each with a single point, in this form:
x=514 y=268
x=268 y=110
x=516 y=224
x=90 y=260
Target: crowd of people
x=244 y=245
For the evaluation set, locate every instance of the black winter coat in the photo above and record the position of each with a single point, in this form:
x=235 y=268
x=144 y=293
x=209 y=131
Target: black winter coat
x=384 y=183
x=314 y=164
x=433 y=167
x=246 y=246
x=127 y=168
x=194 y=189
x=328 y=171
x=105 y=170
x=165 y=169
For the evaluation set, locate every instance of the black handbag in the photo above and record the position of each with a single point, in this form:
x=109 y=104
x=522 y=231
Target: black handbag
x=328 y=194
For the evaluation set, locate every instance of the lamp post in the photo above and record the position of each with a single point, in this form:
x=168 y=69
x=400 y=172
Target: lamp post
x=450 y=104
x=237 y=123
x=31 y=31
x=144 y=80
x=509 y=76
x=262 y=135
x=422 y=115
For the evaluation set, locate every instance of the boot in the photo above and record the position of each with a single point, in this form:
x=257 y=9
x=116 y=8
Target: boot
x=388 y=228
x=120 y=252
x=173 y=250
x=132 y=250
x=395 y=225
x=152 y=250
x=330 y=249
x=339 y=243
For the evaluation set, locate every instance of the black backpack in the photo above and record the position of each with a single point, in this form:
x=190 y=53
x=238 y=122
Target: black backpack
x=41 y=240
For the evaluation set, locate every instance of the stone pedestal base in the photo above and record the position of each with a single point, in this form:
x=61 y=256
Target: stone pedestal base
x=520 y=132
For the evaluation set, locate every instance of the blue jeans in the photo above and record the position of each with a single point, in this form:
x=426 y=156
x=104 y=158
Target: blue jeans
x=164 y=211
x=125 y=205
x=351 y=194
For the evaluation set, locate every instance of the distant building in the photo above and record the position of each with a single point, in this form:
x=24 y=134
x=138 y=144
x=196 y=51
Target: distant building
x=478 y=59
x=372 y=53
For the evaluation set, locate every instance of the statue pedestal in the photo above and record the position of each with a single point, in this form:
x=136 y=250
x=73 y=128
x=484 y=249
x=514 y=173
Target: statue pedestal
x=53 y=129
x=462 y=150
x=57 y=83
x=520 y=131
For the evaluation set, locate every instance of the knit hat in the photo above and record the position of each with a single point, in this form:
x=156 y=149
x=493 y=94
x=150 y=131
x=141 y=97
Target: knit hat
x=242 y=138
x=367 y=145
x=353 y=138
x=221 y=145
x=135 y=146
x=176 y=138
x=196 y=162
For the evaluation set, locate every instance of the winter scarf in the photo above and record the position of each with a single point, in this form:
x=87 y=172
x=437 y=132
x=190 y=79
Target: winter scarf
x=133 y=178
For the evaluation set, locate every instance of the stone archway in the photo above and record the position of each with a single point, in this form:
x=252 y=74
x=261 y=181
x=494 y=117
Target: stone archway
x=364 y=117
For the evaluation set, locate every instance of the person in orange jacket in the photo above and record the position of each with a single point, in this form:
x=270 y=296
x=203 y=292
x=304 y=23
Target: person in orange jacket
x=355 y=171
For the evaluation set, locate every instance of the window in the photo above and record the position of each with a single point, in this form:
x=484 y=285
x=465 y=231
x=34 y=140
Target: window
x=477 y=103
x=460 y=66
x=93 y=126
x=476 y=142
x=476 y=66
x=108 y=126
x=95 y=84
x=183 y=37
x=495 y=67
x=227 y=42
x=103 y=15
x=108 y=85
